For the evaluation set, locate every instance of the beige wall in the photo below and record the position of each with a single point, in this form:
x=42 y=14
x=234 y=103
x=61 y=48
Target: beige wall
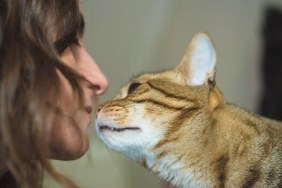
x=128 y=37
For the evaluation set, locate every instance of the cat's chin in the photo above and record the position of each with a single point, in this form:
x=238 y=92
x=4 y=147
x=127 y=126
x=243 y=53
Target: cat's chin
x=103 y=128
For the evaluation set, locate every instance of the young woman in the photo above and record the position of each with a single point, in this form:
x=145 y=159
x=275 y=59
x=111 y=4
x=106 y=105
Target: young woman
x=47 y=82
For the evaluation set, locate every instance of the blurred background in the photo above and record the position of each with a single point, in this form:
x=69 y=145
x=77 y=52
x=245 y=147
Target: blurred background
x=129 y=37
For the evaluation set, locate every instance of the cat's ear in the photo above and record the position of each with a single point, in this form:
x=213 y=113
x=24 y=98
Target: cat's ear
x=198 y=64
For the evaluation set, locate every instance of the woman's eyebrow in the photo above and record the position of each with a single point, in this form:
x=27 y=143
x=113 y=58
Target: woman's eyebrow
x=68 y=39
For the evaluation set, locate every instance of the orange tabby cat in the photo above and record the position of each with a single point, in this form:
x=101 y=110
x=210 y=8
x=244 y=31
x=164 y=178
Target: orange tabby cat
x=177 y=124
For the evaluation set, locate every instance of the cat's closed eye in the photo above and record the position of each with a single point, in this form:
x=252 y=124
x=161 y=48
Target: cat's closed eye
x=133 y=87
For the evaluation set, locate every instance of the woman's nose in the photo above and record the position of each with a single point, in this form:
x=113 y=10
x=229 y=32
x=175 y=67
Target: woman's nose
x=99 y=83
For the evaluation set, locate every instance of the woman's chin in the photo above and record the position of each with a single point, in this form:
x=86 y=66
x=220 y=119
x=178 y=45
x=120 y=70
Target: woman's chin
x=69 y=151
x=68 y=141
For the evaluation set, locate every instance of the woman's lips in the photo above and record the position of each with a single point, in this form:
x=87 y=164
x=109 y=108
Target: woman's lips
x=88 y=109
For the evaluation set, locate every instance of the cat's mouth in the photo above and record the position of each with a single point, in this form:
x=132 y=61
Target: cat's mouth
x=114 y=129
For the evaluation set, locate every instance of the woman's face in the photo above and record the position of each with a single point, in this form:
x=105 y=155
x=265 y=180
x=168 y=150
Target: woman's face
x=67 y=142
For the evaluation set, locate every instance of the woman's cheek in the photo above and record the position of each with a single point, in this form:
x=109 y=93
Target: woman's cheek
x=68 y=57
x=66 y=95
x=68 y=135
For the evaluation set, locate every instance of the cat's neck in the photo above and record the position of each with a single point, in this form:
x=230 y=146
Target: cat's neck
x=195 y=162
x=189 y=163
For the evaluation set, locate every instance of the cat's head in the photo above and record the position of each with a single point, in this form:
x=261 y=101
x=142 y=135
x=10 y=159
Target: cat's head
x=154 y=110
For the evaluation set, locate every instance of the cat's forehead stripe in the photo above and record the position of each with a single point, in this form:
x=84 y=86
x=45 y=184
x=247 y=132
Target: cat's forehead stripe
x=158 y=103
x=163 y=91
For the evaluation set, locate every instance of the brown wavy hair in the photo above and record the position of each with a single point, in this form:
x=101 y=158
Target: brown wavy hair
x=31 y=35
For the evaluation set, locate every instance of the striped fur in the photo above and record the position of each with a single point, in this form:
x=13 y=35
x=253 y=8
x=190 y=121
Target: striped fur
x=189 y=135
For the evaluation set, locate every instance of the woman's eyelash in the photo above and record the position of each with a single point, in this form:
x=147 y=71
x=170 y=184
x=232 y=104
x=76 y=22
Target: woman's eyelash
x=61 y=45
x=76 y=41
